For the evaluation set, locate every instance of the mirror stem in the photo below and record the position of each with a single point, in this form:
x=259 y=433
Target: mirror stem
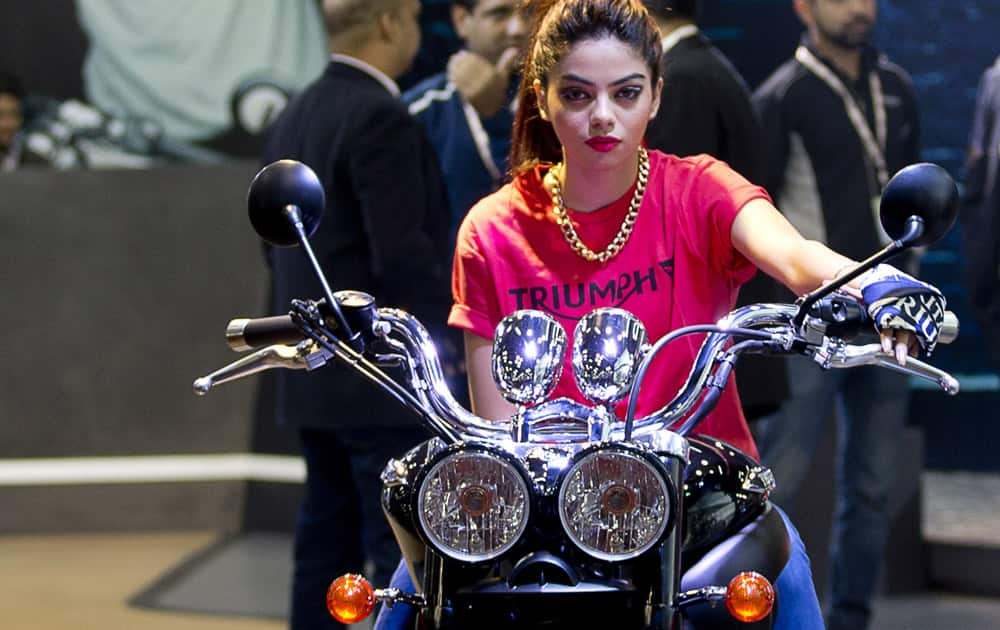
x=914 y=230
x=294 y=216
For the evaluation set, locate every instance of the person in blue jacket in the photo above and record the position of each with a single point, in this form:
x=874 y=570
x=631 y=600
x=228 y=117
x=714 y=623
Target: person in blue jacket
x=468 y=110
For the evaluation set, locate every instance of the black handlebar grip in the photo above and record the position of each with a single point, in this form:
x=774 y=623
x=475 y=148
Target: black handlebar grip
x=846 y=318
x=250 y=333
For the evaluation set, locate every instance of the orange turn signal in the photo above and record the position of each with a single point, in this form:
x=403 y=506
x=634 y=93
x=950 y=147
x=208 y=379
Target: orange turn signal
x=749 y=597
x=350 y=598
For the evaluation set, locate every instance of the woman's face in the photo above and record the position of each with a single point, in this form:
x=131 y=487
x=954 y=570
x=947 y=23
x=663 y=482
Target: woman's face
x=599 y=99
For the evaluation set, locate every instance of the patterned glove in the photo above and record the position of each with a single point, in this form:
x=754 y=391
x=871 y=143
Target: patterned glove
x=897 y=300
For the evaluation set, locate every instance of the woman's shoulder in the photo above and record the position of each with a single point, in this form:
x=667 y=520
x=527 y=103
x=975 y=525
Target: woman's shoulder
x=699 y=182
x=680 y=173
x=506 y=218
x=678 y=165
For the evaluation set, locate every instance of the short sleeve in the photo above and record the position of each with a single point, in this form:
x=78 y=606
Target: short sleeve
x=475 y=308
x=720 y=193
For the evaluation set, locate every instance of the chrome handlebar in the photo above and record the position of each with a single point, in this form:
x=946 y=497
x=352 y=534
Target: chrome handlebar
x=564 y=421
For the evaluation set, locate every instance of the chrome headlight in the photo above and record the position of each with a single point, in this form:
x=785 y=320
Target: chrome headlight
x=608 y=346
x=614 y=504
x=527 y=358
x=473 y=504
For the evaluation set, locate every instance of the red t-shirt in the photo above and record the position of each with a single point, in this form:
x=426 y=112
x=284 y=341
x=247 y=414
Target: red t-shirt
x=678 y=268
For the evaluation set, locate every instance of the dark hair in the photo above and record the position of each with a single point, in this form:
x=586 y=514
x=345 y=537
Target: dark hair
x=668 y=8
x=11 y=84
x=341 y=16
x=470 y=5
x=558 y=25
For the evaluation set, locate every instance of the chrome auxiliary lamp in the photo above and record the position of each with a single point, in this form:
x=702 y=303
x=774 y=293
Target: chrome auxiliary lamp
x=529 y=349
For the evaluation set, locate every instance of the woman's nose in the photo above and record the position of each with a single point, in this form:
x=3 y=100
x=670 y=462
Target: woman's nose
x=601 y=118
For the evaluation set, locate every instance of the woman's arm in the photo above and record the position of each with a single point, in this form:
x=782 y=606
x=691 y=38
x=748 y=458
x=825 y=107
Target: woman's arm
x=486 y=399
x=771 y=243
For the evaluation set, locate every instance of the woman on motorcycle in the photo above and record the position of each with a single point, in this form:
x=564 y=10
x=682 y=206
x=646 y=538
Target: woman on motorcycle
x=593 y=219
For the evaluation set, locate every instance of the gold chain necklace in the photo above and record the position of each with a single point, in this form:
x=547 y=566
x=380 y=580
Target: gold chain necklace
x=569 y=232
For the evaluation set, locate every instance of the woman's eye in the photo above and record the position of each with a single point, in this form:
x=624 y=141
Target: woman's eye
x=630 y=93
x=574 y=95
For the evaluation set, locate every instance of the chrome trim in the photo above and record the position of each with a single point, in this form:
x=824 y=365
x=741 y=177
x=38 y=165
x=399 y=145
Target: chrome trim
x=234 y=334
x=871 y=354
x=390 y=596
x=756 y=316
x=949 y=328
x=700 y=595
x=527 y=357
x=760 y=481
x=563 y=422
x=304 y=356
x=608 y=345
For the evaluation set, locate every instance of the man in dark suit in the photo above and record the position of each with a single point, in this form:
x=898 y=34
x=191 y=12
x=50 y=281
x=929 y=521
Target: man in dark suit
x=705 y=107
x=384 y=232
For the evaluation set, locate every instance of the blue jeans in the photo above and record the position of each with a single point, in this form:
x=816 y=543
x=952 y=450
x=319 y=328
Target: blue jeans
x=870 y=405
x=798 y=606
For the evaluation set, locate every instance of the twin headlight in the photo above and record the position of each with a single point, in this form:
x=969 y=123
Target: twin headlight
x=614 y=504
x=473 y=504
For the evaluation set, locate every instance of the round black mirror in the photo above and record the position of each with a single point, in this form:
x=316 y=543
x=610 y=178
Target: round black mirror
x=925 y=190
x=279 y=185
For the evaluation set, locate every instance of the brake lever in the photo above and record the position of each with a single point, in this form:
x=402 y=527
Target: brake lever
x=846 y=356
x=303 y=356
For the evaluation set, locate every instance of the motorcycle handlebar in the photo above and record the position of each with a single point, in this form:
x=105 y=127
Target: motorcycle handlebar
x=245 y=333
x=560 y=420
x=949 y=328
x=846 y=318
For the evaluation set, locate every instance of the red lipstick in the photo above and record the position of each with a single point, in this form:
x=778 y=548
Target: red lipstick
x=603 y=143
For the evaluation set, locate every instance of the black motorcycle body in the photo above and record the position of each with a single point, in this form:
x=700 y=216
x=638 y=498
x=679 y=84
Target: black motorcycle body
x=546 y=582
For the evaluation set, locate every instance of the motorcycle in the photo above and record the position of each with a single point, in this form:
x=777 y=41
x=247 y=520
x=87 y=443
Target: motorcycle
x=567 y=515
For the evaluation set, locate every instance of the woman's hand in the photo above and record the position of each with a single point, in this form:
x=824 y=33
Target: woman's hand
x=899 y=343
x=908 y=313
